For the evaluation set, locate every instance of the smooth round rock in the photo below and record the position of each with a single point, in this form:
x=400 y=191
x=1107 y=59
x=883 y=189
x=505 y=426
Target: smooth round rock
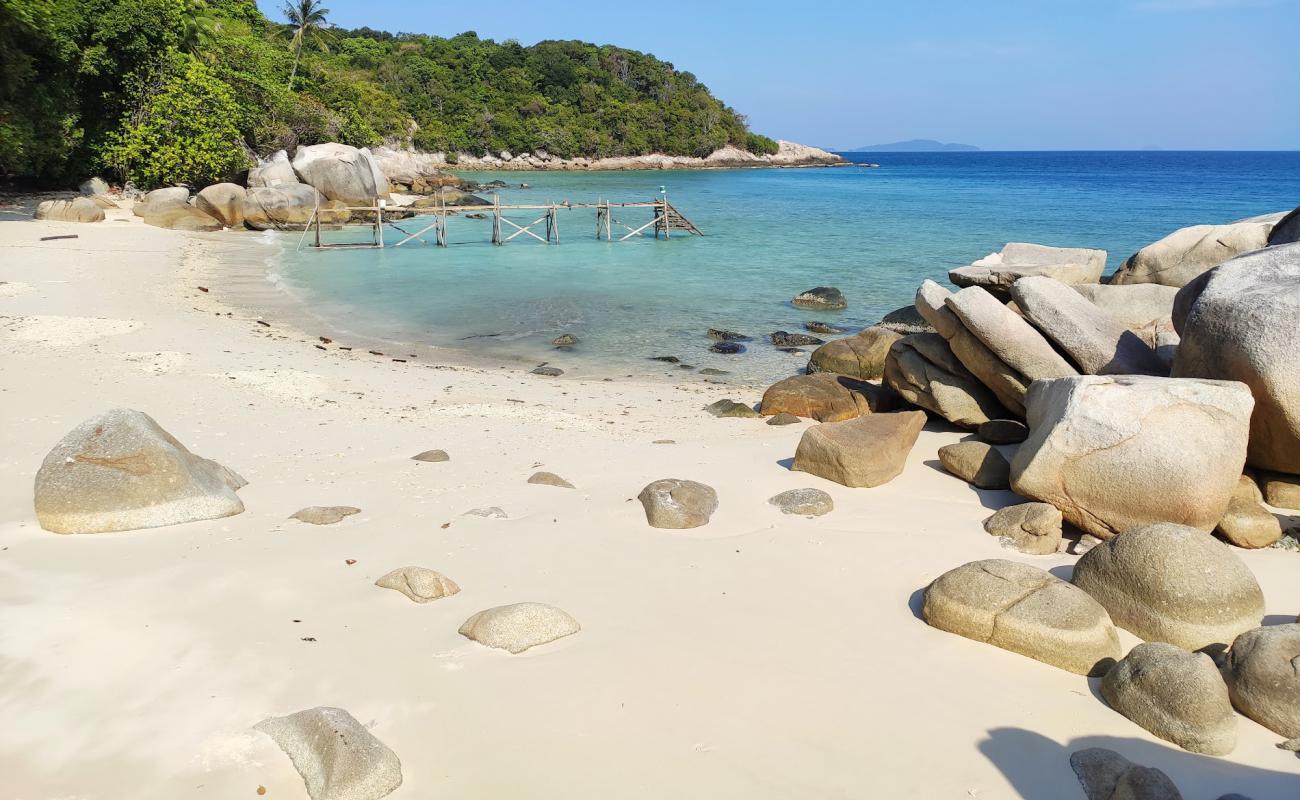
x=1263 y=675
x=977 y=463
x=784 y=419
x=1177 y=695
x=515 y=628
x=678 y=504
x=1033 y=528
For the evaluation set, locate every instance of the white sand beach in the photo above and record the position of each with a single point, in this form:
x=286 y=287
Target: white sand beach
x=761 y=656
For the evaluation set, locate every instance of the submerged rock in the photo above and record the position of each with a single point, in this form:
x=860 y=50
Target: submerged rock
x=721 y=335
x=822 y=297
x=1025 y=610
x=678 y=504
x=336 y=756
x=787 y=339
x=565 y=340
x=727 y=348
x=516 y=628
x=121 y=471
x=822 y=327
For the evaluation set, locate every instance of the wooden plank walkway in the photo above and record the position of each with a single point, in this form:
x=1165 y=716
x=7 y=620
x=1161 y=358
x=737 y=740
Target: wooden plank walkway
x=665 y=219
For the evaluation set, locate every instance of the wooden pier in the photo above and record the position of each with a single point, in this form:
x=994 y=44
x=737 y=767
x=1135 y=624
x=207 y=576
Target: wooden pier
x=664 y=219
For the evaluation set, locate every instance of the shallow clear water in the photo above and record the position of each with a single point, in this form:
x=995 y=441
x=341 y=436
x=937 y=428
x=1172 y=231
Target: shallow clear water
x=873 y=233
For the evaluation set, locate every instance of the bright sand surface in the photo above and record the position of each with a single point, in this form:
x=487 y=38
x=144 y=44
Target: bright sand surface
x=763 y=656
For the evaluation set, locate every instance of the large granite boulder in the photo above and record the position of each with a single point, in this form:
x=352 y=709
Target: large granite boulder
x=1107 y=775
x=678 y=504
x=826 y=397
x=1182 y=255
x=1025 y=610
x=1264 y=677
x=1116 y=451
x=413 y=171
x=181 y=218
x=289 y=207
x=1239 y=322
x=1171 y=583
x=1247 y=523
x=997 y=272
x=516 y=628
x=274 y=171
x=337 y=757
x=1006 y=383
x=1136 y=306
x=120 y=471
x=1008 y=335
x=863 y=452
x=81 y=209
x=1096 y=342
x=224 y=202
x=1177 y=695
x=860 y=356
x=93 y=187
x=1287 y=229
x=161 y=199
x=341 y=172
x=924 y=371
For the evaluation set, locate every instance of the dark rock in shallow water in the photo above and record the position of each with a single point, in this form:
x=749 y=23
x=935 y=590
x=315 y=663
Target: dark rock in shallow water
x=822 y=327
x=550 y=372
x=565 y=340
x=727 y=348
x=822 y=297
x=906 y=320
x=666 y=359
x=712 y=371
x=785 y=339
x=720 y=335
x=730 y=408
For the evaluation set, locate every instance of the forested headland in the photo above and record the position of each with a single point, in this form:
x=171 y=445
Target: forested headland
x=164 y=91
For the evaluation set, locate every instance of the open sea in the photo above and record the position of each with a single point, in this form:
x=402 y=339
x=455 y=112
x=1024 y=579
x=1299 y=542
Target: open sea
x=875 y=233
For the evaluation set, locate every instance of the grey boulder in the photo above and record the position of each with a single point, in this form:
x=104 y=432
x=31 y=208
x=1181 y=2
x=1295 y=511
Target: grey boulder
x=1107 y=775
x=804 y=502
x=1263 y=675
x=1186 y=253
x=224 y=202
x=678 y=504
x=977 y=463
x=997 y=272
x=290 y=207
x=341 y=172
x=336 y=756
x=1177 y=695
x=1096 y=342
x=274 y=171
x=120 y=471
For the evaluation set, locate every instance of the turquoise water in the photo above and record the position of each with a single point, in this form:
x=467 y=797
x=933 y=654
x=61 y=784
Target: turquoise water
x=873 y=233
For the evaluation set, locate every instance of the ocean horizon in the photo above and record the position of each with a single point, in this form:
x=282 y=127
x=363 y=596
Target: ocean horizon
x=874 y=233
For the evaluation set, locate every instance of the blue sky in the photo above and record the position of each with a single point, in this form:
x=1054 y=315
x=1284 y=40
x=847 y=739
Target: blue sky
x=1048 y=74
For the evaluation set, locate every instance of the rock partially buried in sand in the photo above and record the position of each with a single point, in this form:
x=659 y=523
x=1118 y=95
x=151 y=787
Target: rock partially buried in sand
x=432 y=456
x=822 y=297
x=120 y=471
x=82 y=209
x=548 y=372
x=784 y=419
x=731 y=408
x=1033 y=528
x=549 y=479
x=487 y=512
x=336 y=756
x=678 y=504
x=515 y=628
x=1113 y=452
x=1177 y=695
x=1263 y=675
x=826 y=397
x=860 y=453
x=977 y=463
x=1247 y=523
x=1107 y=775
x=324 y=515
x=418 y=583
x=804 y=502
x=1025 y=610
x=1171 y=583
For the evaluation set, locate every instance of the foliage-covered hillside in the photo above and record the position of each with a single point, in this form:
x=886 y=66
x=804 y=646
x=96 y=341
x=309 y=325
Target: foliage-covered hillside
x=159 y=91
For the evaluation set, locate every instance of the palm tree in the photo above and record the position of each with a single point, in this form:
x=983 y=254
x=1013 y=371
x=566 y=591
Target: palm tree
x=307 y=21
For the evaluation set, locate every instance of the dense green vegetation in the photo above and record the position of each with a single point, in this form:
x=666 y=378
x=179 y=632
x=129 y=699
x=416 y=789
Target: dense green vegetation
x=161 y=91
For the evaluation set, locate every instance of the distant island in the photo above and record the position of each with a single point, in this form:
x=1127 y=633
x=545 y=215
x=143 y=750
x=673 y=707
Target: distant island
x=916 y=146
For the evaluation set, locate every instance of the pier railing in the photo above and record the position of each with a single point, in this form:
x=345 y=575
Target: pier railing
x=665 y=219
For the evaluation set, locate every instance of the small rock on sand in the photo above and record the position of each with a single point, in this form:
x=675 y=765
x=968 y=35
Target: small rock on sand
x=1247 y=523
x=730 y=408
x=418 y=583
x=804 y=502
x=336 y=756
x=1033 y=528
x=784 y=419
x=324 y=515
x=1107 y=775
x=515 y=628
x=549 y=479
x=1177 y=695
x=432 y=456
x=678 y=504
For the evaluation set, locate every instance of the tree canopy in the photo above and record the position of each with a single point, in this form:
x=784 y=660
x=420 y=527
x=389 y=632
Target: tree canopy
x=162 y=91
